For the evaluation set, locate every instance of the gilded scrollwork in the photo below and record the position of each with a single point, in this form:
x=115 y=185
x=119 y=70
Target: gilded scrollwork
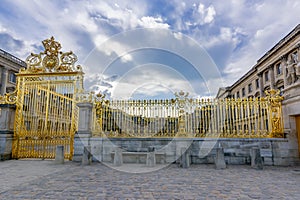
x=9 y=98
x=51 y=60
x=85 y=97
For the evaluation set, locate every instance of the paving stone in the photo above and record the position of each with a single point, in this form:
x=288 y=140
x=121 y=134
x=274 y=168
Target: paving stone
x=45 y=180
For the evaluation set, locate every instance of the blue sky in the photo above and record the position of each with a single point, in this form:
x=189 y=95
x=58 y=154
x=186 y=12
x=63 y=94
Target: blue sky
x=119 y=58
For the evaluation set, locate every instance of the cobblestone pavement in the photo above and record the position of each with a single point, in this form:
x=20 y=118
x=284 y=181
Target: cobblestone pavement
x=31 y=179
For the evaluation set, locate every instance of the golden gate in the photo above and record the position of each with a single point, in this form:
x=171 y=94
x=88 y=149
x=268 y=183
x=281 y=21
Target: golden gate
x=45 y=97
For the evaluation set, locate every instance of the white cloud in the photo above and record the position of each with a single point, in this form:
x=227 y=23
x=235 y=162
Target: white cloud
x=206 y=14
x=84 y=21
x=126 y=58
x=226 y=35
x=150 y=80
x=252 y=28
x=153 y=22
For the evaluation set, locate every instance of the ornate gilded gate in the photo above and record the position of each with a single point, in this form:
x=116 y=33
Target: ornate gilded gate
x=45 y=97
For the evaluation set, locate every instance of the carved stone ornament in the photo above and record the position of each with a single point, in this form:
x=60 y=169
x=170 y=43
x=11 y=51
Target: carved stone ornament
x=51 y=60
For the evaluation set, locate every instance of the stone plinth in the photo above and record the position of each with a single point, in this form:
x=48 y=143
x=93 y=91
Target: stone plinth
x=256 y=159
x=84 y=133
x=59 y=155
x=219 y=159
x=151 y=161
x=118 y=158
x=185 y=158
x=87 y=156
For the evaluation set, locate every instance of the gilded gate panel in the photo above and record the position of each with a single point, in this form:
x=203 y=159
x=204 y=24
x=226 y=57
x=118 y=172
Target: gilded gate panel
x=45 y=97
x=188 y=117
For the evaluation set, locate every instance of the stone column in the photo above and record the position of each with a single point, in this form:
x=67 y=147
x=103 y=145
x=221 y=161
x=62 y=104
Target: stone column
x=272 y=77
x=7 y=118
x=84 y=133
x=220 y=160
x=283 y=68
x=4 y=80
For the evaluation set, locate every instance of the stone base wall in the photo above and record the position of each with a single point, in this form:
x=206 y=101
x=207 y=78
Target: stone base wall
x=202 y=151
x=6 y=139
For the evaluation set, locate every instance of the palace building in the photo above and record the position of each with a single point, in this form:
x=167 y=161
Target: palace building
x=278 y=69
x=9 y=66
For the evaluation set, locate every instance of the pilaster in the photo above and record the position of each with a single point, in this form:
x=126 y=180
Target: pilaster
x=7 y=117
x=84 y=133
x=3 y=80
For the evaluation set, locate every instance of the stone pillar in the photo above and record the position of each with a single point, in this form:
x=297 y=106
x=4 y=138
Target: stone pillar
x=151 y=161
x=118 y=158
x=4 y=80
x=261 y=85
x=185 y=158
x=7 y=118
x=84 y=133
x=181 y=143
x=256 y=159
x=87 y=156
x=59 y=155
x=220 y=160
x=272 y=77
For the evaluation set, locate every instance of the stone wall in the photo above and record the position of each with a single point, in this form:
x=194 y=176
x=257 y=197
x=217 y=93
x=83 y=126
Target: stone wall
x=201 y=150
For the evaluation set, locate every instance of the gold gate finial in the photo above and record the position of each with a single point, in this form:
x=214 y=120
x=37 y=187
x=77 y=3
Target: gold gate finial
x=51 y=60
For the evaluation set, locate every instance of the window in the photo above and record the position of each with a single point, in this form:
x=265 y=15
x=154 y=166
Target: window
x=250 y=88
x=238 y=95
x=278 y=69
x=281 y=90
x=257 y=83
x=12 y=77
x=243 y=92
x=266 y=76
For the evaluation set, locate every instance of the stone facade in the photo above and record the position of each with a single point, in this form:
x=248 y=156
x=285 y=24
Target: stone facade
x=9 y=66
x=7 y=117
x=278 y=69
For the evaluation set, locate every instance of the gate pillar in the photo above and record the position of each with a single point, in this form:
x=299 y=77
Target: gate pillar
x=84 y=133
x=7 y=116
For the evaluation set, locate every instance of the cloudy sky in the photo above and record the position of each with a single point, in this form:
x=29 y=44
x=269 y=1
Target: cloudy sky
x=151 y=48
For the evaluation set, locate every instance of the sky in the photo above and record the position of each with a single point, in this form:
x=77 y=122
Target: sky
x=151 y=48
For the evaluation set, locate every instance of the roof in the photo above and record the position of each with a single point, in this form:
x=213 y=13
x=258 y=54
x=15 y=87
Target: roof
x=12 y=58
